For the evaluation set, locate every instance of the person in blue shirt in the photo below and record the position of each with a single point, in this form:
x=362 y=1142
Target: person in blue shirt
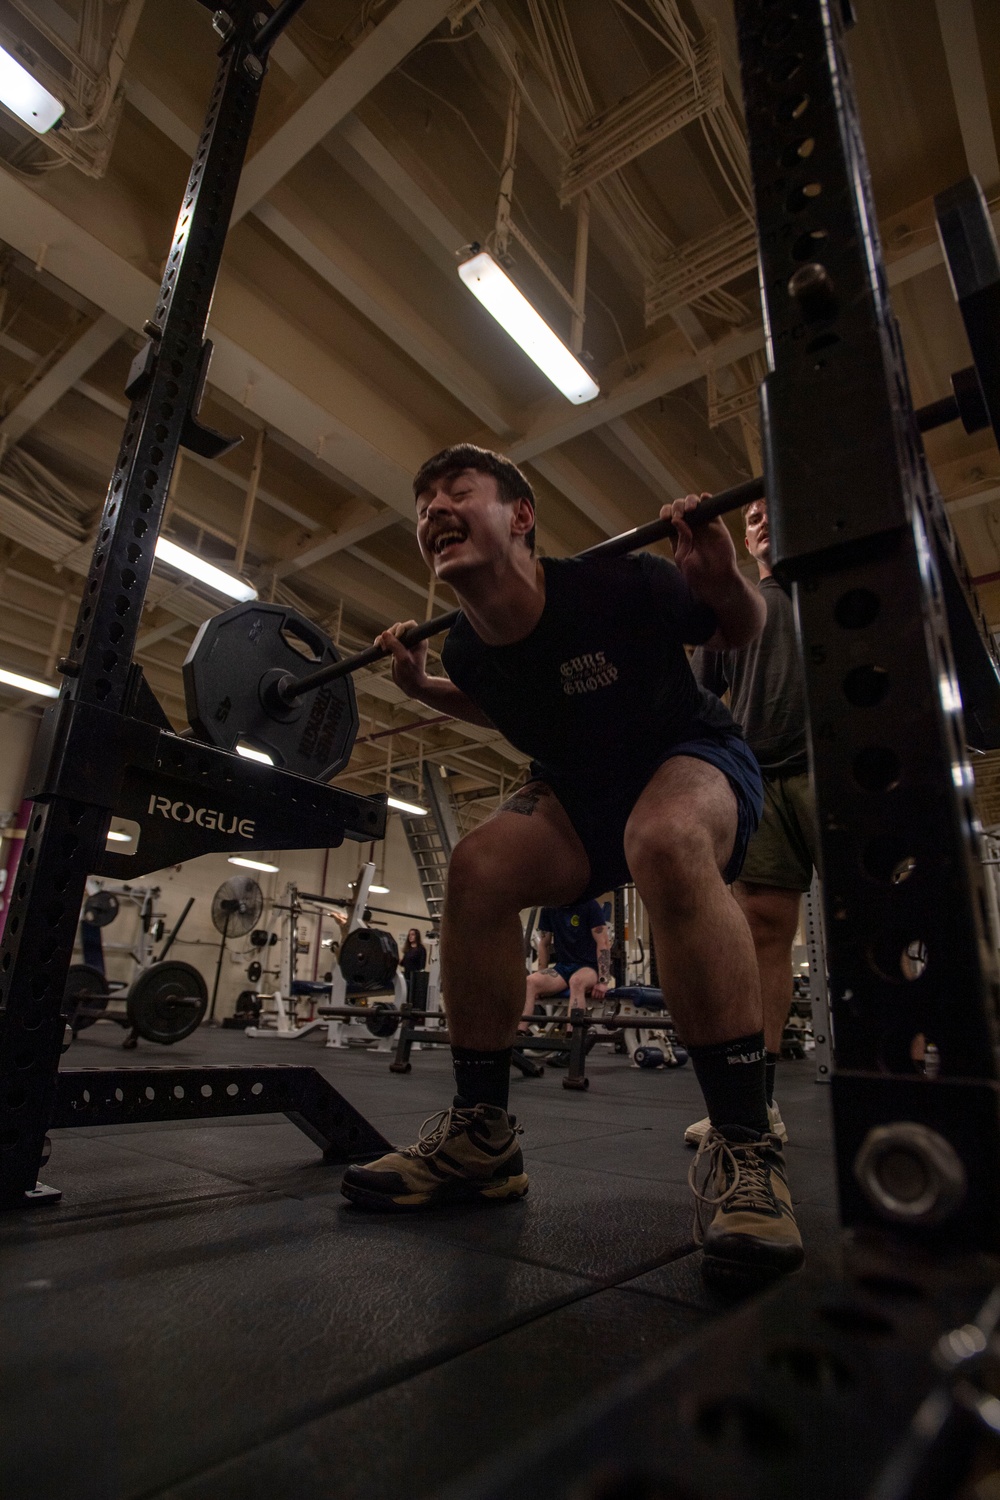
x=637 y=773
x=573 y=950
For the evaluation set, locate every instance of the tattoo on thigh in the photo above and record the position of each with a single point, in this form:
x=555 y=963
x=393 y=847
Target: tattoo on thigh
x=526 y=799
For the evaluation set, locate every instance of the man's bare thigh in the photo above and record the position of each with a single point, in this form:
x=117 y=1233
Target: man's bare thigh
x=683 y=789
x=531 y=835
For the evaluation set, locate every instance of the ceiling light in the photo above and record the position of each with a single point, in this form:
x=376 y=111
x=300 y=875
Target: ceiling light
x=252 y=864
x=490 y=283
x=251 y=754
x=188 y=562
x=408 y=807
x=24 y=96
x=28 y=684
x=378 y=890
x=115 y=836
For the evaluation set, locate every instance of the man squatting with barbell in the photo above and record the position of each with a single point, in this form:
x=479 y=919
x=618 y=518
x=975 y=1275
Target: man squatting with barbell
x=637 y=773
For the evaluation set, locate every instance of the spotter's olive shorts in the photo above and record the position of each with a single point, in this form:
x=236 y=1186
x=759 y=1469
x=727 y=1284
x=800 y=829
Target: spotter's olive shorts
x=784 y=849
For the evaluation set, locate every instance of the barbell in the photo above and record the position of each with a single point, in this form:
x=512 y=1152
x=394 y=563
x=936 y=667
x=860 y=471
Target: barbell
x=244 y=678
x=165 y=1002
x=240 y=682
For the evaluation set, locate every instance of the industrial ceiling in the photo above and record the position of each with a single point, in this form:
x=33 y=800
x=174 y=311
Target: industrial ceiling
x=596 y=146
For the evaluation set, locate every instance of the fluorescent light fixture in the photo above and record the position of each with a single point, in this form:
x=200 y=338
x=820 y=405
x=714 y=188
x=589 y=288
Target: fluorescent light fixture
x=24 y=96
x=378 y=890
x=252 y=864
x=408 y=807
x=116 y=836
x=251 y=754
x=490 y=283
x=187 y=562
x=28 y=684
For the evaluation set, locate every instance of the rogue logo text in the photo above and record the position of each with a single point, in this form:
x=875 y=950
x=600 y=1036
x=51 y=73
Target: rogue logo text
x=205 y=817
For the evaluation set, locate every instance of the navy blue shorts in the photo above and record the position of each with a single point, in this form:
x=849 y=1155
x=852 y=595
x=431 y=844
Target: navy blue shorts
x=566 y=971
x=600 y=818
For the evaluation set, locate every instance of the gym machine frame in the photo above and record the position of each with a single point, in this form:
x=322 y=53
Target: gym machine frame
x=107 y=746
x=879 y=1384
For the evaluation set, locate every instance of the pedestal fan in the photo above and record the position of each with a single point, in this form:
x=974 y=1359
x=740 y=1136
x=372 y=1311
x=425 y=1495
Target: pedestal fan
x=236 y=909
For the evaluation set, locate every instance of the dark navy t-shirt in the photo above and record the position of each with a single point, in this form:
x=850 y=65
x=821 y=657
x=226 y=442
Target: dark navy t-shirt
x=572 y=929
x=602 y=684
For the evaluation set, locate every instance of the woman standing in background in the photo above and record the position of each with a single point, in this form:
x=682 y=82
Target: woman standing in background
x=414 y=960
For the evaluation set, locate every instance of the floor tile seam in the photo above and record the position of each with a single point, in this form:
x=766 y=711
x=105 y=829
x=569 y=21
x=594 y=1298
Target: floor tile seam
x=606 y=1171
x=38 y=1232
x=439 y=1237
x=364 y=1390
x=229 y=1177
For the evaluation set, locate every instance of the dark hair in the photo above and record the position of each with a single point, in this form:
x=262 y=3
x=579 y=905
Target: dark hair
x=745 y=509
x=417 y=944
x=511 y=483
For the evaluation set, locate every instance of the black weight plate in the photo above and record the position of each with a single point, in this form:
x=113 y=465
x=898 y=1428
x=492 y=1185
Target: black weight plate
x=382 y=1020
x=368 y=957
x=234 y=655
x=86 y=988
x=254 y=972
x=167 y=1002
x=259 y=937
x=100 y=909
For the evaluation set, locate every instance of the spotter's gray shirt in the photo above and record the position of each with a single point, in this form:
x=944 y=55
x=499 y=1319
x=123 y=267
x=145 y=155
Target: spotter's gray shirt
x=766 y=687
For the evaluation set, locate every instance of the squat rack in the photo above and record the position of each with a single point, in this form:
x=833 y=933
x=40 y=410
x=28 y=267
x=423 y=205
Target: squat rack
x=888 y=627
x=107 y=745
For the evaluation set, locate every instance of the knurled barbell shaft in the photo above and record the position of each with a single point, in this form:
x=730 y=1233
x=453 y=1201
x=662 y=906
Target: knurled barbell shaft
x=615 y=546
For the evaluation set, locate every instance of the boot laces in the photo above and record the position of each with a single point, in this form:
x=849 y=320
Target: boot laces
x=750 y=1187
x=444 y=1126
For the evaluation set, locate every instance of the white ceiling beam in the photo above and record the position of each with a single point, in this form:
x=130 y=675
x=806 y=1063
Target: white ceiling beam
x=161 y=633
x=968 y=85
x=319 y=246
x=370 y=561
x=382 y=687
x=375 y=56
x=322 y=249
x=231 y=476
x=337 y=541
x=973 y=502
x=633 y=451
x=95 y=340
x=589 y=498
x=360 y=152
x=666 y=367
x=380 y=462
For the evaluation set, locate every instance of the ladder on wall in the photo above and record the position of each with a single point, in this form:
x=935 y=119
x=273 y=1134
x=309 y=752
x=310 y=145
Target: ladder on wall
x=432 y=838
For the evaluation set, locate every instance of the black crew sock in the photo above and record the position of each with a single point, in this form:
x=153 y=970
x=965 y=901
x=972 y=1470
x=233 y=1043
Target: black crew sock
x=770 y=1063
x=731 y=1075
x=481 y=1077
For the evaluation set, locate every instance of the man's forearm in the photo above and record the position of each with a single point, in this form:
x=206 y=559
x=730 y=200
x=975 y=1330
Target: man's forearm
x=739 y=610
x=441 y=694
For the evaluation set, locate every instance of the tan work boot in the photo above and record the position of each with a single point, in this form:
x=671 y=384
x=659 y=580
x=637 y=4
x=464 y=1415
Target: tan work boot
x=751 y=1233
x=465 y=1154
x=696 y=1133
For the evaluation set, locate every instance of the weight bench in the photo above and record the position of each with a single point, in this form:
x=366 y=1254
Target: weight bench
x=334 y=1019
x=636 y=1006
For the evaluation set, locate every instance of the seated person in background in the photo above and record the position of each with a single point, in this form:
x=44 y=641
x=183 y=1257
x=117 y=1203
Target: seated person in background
x=573 y=949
